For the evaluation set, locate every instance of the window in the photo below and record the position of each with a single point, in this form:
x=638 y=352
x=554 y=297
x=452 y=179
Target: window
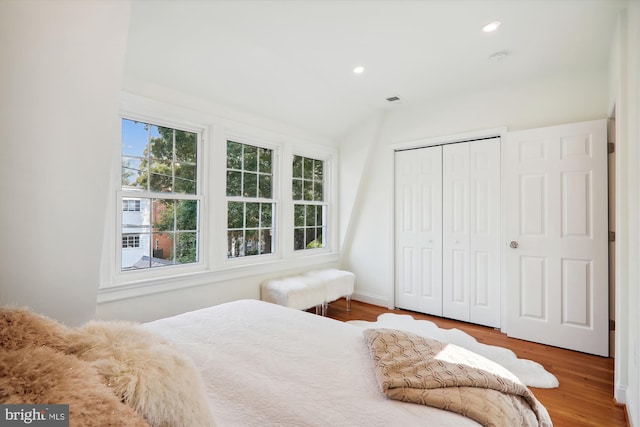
x=129 y=205
x=160 y=199
x=310 y=209
x=250 y=203
x=130 y=241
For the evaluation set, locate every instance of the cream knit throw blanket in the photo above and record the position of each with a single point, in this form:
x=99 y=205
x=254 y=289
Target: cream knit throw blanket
x=420 y=370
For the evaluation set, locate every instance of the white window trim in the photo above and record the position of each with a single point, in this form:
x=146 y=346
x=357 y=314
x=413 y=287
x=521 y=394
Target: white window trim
x=119 y=277
x=330 y=199
x=276 y=182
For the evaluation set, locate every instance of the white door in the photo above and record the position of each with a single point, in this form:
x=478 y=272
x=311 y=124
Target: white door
x=555 y=182
x=455 y=231
x=418 y=233
x=484 y=232
x=471 y=231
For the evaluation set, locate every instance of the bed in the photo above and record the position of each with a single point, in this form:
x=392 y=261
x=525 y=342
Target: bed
x=251 y=363
x=268 y=365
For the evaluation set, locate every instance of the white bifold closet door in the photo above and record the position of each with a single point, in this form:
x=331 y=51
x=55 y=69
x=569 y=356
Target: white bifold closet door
x=418 y=230
x=471 y=231
x=448 y=231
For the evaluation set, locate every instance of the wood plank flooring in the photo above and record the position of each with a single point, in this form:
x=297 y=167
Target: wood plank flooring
x=585 y=395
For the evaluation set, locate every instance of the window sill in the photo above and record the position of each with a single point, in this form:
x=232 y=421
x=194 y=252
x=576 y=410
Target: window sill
x=144 y=287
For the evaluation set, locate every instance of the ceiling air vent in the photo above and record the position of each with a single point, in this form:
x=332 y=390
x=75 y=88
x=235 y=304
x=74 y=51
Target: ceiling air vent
x=393 y=99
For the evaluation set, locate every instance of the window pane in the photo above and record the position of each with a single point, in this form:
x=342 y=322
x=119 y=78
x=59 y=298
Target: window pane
x=235 y=215
x=317 y=191
x=163 y=214
x=311 y=216
x=308 y=190
x=310 y=238
x=266 y=214
x=265 y=186
x=297 y=167
x=250 y=158
x=297 y=189
x=161 y=142
x=252 y=215
x=131 y=169
x=234 y=155
x=186 y=215
x=266 y=242
x=186 y=146
x=135 y=137
x=298 y=215
x=252 y=243
x=234 y=183
x=161 y=176
x=265 y=160
x=320 y=211
x=318 y=170
x=185 y=178
x=186 y=248
x=308 y=168
x=162 y=249
x=298 y=239
x=250 y=185
x=235 y=243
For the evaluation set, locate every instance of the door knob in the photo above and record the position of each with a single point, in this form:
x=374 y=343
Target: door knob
x=513 y=244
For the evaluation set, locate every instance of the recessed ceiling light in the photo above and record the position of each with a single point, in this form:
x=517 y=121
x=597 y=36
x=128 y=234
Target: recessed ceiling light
x=491 y=26
x=358 y=70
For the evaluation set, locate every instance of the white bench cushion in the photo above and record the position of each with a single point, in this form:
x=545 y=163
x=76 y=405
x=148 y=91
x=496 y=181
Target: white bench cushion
x=337 y=283
x=299 y=292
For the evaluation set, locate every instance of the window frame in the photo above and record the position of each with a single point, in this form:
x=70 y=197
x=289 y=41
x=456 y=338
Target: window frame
x=329 y=157
x=120 y=276
x=324 y=204
x=276 y=223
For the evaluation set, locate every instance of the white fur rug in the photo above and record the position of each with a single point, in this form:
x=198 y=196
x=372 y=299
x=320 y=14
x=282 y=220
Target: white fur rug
x=529 y=372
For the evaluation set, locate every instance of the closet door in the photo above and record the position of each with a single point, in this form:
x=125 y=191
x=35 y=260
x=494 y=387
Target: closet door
x=418 y=232
x=455 y=231
x=471 y=231
x=484 y=232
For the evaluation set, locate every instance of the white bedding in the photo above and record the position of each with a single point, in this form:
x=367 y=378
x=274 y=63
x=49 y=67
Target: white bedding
x=268 y=365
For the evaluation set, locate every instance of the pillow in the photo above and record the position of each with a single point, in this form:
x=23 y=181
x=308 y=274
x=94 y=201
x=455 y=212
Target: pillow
x=147 y=373
x=20 y=327
x=42 y=375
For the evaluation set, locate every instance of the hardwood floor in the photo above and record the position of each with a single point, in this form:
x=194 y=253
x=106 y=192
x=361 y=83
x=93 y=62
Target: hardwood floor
x=585 y=395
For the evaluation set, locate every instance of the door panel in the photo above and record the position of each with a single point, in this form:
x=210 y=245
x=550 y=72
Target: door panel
x=455 y=231
x=484 y=232
x=418 y=234
x=555 y=185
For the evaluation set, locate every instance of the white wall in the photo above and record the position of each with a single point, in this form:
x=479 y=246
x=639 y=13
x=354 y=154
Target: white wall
x=61 y=66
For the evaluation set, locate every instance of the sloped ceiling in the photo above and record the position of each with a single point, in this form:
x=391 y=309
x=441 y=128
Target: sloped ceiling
x=292 y=60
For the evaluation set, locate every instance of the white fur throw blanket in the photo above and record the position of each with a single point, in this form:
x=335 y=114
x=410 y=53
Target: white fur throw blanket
x=420 y=370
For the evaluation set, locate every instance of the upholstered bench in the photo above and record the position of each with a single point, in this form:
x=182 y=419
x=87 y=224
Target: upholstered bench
x=299 y=292
x=337 y=284
x=312 y=289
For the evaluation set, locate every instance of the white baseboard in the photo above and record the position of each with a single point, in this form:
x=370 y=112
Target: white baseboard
x=371 y=299
x=620 y=394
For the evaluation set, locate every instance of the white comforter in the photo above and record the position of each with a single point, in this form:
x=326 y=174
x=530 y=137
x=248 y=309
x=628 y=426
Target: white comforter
x=268 y=365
